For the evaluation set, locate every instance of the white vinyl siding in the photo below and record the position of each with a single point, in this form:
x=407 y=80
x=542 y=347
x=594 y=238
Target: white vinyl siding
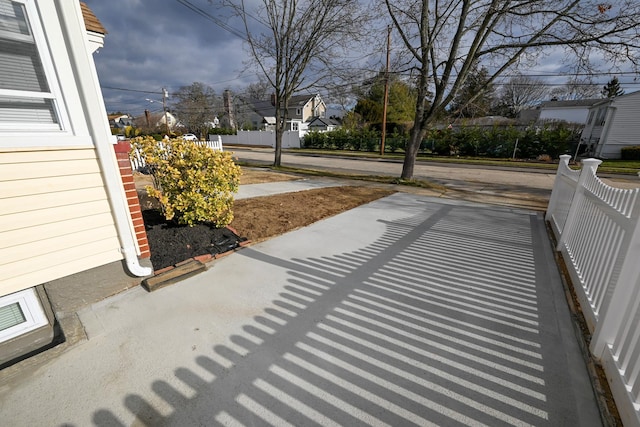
x=623 y=127
x=615 y=126
x=55 y=215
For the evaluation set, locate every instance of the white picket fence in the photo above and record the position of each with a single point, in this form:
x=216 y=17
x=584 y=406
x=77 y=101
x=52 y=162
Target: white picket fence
x=262 y=138
x=598 y=232
x=137 y=162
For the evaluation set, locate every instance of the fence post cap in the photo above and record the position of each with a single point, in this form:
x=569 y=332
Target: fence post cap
x=591 y=162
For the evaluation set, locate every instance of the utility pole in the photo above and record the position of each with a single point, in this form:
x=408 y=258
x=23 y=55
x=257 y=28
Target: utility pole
x=386 y=94
x=228 y=107
x=165 y=95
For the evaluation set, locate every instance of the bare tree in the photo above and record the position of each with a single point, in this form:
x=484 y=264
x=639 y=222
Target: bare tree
x=518 y=93
x=447 y=37
x=577 y=88
x=259 y=90
x=296 y=44
x=196 y=106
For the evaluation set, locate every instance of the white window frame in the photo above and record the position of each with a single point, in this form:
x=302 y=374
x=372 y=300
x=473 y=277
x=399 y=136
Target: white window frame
x=295 y=127
x=62 y=127
x=31 y=309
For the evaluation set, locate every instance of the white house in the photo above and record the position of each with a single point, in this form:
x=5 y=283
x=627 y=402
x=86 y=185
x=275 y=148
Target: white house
x=63 y=207
x=575 y=111
x=302 y=109
x=612 y=123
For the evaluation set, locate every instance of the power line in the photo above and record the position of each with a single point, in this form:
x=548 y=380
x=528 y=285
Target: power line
x=130 y=90
x=212 y=18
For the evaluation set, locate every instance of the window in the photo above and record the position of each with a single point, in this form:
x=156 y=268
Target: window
x=298 y=111
x=294 y=126
x=20 y=313
x=27 y=99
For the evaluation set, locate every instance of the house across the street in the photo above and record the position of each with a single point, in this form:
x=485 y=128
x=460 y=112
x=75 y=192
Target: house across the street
x=301 y=112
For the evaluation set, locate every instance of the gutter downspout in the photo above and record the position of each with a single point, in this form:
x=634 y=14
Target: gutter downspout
x=98 y=127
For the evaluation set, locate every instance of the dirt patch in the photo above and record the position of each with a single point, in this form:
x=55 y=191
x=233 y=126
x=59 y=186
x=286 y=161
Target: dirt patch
x=255 y=219
x=260 y=218
x=259 y=176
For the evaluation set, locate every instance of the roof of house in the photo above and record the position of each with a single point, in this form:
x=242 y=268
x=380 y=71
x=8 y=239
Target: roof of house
x=528 y=115
x=569 y=104
x=613 y=99
x=266 y=109
x=300 y=99
x=91 y=21
x=322 y=121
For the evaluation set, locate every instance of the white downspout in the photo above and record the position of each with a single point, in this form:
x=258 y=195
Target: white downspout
x=96 y=115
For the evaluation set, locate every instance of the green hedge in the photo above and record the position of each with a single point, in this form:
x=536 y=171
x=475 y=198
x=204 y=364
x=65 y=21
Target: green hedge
x=341 y=139
x=494 y=142
x=630 y=153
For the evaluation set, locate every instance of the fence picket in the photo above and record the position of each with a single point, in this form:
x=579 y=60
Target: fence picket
x=137 y=161
x=599 y=236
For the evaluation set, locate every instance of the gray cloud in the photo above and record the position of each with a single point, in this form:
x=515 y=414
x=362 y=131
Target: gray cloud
x=162 y=43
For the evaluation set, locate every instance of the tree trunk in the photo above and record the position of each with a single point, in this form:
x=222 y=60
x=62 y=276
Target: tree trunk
x=411 y=153
x=278 y=151
x=281 y=120
x=419 y=129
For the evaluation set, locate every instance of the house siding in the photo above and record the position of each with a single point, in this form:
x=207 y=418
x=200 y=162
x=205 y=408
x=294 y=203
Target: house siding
x=622 y=127
x=571 y=115
x=55 y=215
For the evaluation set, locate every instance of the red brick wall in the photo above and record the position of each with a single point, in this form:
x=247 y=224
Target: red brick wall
x=122 y=154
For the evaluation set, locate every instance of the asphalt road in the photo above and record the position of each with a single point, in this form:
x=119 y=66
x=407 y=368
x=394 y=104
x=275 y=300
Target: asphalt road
x=521 y=187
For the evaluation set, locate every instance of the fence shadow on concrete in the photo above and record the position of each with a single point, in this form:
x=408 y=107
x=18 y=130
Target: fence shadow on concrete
x=450 y=318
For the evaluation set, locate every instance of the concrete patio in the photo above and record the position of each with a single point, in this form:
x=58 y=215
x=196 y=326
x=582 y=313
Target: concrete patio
x=411 y=310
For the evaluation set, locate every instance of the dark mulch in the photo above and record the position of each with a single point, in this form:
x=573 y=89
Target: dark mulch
x=171 y=243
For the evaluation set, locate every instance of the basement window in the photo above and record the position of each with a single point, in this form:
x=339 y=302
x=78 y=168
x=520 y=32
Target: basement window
x=20 y=313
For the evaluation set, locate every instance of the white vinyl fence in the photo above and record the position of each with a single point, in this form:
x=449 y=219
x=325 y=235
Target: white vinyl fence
x=262 y=138
x=137 y=162
x=598 y=232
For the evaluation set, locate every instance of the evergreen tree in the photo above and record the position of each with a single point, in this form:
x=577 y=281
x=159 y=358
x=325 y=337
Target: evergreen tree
x=400 y=106
x=475 y=97
x=612 y=89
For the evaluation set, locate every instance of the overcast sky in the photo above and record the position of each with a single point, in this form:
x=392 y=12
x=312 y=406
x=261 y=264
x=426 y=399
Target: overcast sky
x=158 y=44
x=155 y=44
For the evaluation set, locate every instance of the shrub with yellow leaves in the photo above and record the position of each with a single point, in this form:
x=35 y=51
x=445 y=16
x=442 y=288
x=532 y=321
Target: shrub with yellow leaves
x=193 y=182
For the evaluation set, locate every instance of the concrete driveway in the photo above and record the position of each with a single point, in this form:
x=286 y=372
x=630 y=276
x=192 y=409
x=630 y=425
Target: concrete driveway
x=410 y=310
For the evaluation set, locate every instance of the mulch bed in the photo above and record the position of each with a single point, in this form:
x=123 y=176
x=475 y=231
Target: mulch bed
x=171 y=243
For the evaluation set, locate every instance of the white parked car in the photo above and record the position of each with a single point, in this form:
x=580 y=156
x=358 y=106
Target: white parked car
x=189 y=137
